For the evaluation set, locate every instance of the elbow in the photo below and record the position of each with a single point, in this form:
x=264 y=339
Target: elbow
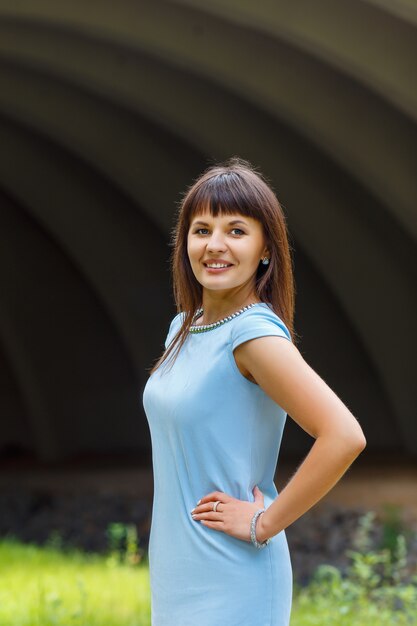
x=357 y=443
x=350 y=443
x=348 y=438
x=349 y=448
x=359 y=438
x=360 y=444
x=363 y=443
x=355 y=438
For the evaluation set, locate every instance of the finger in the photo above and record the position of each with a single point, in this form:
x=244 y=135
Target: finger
x=209 y=507
x=214 y=495
x=208 y=515
x=214 y=525
x=202 y=508
x=259 y=496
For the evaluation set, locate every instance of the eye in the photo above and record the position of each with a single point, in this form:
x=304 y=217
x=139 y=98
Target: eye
x=199 y=229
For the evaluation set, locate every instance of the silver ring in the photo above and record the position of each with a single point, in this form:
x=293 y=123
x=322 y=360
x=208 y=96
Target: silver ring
x=215 y=505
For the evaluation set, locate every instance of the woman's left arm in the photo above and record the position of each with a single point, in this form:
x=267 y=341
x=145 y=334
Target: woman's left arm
x=281 y=371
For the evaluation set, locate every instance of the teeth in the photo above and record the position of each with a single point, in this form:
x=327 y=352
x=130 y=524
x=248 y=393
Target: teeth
x=217 y=265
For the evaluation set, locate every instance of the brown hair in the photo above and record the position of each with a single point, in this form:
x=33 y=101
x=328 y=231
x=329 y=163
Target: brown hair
x=231 y=187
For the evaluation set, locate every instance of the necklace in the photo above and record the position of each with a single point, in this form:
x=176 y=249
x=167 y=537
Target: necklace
x=206 y=327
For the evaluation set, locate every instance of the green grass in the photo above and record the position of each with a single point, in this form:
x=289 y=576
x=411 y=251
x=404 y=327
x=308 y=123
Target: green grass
x=48 y=587
x=45 y=586
x=331 y=601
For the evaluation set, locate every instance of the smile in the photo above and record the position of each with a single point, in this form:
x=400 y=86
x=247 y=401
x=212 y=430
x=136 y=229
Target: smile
x=217 y=270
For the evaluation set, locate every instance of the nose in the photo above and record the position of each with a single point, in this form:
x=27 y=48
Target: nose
x=216 y=242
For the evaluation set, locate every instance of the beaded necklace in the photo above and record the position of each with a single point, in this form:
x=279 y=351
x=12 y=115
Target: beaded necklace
x=206 y=327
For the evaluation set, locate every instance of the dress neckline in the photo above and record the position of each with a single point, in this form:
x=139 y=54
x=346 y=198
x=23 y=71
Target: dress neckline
x=195 y=329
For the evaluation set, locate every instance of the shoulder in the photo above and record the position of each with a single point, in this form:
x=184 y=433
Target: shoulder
x=174 y=327
x=259 y=321
x=178 y=319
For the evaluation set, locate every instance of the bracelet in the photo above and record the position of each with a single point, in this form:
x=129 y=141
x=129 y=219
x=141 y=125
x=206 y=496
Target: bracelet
x=253 y=531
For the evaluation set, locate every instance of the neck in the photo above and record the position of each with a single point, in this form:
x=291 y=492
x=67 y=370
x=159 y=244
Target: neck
x=213 y=312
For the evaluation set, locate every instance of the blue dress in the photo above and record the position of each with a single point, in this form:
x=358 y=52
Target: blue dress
x=213 y=429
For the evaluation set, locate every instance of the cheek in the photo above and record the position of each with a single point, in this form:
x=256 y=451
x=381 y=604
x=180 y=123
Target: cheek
x=194 y=250
x=189 y=244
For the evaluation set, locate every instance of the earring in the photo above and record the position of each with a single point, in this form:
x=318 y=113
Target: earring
x=265 y=260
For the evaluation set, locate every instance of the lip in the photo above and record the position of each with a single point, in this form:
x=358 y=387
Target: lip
x=217 y=261
x=217 y=270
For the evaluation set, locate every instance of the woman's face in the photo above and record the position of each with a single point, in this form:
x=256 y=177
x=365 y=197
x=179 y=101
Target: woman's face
x=239 y=244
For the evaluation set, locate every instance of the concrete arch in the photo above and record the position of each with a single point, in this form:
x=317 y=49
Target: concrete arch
x=350 y=36
x=74 y=227
x=377 y=154
x=318 y=246
x=65 y=355
x=342 y=217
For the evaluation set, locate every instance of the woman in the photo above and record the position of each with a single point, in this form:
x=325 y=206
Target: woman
x=216 y=403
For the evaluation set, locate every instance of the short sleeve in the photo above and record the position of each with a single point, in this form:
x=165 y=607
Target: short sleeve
x=258 y=322
x=173 y=328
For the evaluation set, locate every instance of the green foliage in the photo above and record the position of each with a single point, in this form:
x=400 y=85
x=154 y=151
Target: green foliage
x=123 y=544
x=378 y=585
x=50 y=586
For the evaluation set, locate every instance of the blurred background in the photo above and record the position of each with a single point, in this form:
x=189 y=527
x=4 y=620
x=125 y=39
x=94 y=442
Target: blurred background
x=108 y=111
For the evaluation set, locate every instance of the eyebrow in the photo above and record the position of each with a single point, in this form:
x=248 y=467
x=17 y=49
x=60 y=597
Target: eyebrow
x=230 y=223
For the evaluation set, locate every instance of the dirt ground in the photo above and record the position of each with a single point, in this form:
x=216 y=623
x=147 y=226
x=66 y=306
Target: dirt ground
x=371 y=486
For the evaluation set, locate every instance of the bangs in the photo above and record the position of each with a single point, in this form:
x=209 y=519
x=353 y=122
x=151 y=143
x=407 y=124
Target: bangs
x=225 y=194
